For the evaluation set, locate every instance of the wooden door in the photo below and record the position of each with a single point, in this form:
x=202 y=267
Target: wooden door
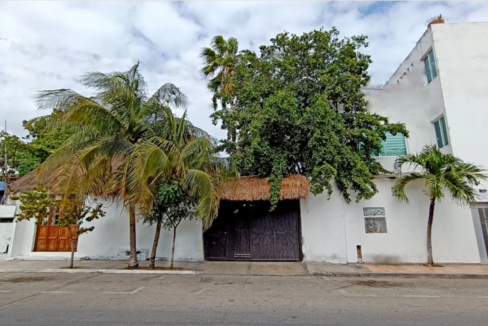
x=215 y=240
x=286 y=232
x=52 y=237
x=241 y=237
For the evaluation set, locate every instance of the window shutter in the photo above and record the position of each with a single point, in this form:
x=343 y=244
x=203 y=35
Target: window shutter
x=394 y=145
x=427 y=69
x=433 y=68
x=443 y=131
x=438 y=134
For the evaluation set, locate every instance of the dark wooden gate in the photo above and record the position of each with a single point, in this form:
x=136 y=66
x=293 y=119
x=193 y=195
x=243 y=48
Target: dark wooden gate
x=248 y=231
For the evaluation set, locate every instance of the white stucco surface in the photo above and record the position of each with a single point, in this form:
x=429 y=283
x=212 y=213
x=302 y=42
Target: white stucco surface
x=110 y=239
x=331 y=229
x=5 y=235
x=462 y=59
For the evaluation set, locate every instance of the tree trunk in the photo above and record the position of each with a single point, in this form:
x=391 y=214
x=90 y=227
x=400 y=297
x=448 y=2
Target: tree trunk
x=155 y=245
x=173 y=249
x=430 y=260
x=72 y=246
x=133 y=263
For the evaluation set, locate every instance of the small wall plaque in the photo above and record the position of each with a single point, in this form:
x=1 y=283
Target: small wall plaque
x=375 y=224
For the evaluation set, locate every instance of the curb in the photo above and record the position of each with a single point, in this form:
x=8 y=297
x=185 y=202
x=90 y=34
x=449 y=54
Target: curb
x=102 y=271
x=194 y=272
x=403 y=275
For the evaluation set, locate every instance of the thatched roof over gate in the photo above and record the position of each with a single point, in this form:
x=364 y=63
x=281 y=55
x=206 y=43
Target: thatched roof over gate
x=28 y=182
x=240 y=189
x=253 y=188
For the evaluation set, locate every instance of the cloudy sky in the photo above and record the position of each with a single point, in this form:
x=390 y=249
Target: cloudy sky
x=48 y=45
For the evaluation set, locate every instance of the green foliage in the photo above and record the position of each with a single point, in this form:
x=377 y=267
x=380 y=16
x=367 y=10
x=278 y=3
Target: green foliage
x=105 y=130
x=34 y=204
x=439 y=171
x=181 y=154
x=13 y=151
x=299 y=109
x=172 y=204
x=76 y=213
x=220 y=61
x=24 y=156
x=45 y=138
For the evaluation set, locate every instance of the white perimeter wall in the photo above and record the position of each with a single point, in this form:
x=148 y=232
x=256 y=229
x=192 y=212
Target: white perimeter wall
x=110 y=239
x=331 y=229
x=5 y=235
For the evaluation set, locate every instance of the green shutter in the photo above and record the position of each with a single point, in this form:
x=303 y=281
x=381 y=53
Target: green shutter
x=443 y=131
x=438 y=134
x=433 y=68
x=394 y=145
x=427 y=69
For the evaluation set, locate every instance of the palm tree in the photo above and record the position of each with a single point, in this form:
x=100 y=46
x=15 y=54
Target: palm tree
x=182 y=154
x=107 y=128
x=440 y=172
x=220 y=61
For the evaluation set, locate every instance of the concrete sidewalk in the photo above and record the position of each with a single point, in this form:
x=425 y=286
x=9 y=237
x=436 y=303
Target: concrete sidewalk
x=250 y=269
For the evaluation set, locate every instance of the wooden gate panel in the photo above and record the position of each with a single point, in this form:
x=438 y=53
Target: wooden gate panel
x=242 y=246
x=63 y=239
x=286 y=230
x=52 y=238
x=41 y=238
x=216 y=240
x=262 y=238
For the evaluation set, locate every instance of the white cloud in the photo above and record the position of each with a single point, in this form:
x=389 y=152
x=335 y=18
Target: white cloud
x=49 y=45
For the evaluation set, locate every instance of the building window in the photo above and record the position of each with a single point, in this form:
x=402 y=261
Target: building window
x=430 y=66
x=393 y=145
x=441 y=132
x=484 y=225
x=374 y=219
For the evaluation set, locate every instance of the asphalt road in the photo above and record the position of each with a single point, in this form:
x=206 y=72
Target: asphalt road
x=108 y=299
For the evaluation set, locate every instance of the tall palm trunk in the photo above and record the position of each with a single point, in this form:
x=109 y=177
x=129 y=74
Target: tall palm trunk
x=155 y=245
x=173 y=249
x=133 y=263
x=430 y=259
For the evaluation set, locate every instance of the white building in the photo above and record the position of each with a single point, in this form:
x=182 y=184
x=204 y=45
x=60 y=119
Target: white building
x=439 y=93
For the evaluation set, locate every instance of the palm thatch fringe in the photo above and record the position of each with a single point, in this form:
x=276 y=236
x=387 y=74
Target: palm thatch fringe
x=253 y=188
x=28 y=182
x=240 y=189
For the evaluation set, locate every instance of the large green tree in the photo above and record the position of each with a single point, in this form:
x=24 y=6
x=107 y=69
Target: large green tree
x=299 y=109
x=44 y=138
x=440 y=173
x=107 y=127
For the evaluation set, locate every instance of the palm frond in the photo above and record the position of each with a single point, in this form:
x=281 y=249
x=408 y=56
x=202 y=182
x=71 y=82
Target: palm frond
x=170 y=95
x=206 y=188
x=402 y=182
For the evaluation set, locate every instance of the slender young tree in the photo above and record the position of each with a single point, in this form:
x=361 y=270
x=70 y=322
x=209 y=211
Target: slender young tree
x=74 y=214
x=106 y=129
x=440 y=173
x=172 y=205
